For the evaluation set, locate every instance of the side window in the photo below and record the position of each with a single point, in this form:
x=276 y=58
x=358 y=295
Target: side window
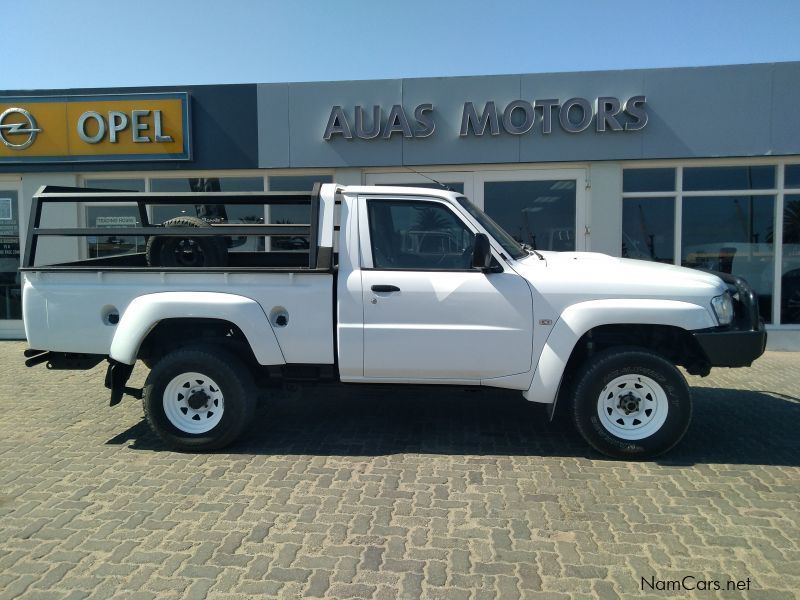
x=418 y=235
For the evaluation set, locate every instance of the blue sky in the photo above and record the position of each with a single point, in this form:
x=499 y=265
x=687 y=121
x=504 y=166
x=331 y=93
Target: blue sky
x=59 y=43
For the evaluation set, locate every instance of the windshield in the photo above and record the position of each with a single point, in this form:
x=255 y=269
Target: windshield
x=508 y=243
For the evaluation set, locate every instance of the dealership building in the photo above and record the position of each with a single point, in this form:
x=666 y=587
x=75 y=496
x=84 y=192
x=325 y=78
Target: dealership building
x=691 y=166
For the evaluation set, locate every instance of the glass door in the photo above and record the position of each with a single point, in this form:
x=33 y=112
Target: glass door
x=10 y=290
x=458 y=181
x=543 y=208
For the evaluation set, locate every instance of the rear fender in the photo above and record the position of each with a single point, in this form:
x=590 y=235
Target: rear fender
x=144 y=312
x=579 y=318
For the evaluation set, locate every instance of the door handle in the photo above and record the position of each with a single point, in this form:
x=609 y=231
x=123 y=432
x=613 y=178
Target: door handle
x=385 y=288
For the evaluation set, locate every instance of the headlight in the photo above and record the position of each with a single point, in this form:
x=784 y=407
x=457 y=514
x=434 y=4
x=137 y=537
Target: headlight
x=723 y=308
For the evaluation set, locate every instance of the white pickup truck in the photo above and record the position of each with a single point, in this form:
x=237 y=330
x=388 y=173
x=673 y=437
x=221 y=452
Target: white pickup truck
x=395 y=285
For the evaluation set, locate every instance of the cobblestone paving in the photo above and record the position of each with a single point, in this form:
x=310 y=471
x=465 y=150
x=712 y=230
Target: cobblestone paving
x=349 y=492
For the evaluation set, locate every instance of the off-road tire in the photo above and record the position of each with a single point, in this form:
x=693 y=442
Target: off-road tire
x=611 y=365
x=162 y=251
x=233 y=380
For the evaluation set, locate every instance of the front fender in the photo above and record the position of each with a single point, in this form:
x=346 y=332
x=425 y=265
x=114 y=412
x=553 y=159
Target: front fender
x=144 y=312
x=579 y=318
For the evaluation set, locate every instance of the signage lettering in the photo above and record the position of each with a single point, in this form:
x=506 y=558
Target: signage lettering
x=117 y=122
x=519 y=117
x=95 y=128
x=396 y=122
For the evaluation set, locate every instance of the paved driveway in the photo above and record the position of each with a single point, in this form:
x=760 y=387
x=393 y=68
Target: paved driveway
x=350 y=492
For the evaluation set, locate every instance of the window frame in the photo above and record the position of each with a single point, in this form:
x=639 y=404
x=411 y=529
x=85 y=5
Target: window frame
x=679 y=195
x=365 y=237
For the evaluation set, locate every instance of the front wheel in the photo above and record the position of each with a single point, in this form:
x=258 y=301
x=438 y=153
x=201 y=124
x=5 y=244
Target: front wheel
x=199 y=398
x=631 y=403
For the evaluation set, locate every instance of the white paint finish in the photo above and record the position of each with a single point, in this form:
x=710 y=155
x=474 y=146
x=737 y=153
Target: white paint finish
x=145 y=311
x=350 y=314
x=460 y=327
x=579 y=318
x=325 y=223
x=453 y=325
x=64 y=310
x=464 y=325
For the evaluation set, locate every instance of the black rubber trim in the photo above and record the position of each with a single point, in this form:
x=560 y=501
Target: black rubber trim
x=732 y=347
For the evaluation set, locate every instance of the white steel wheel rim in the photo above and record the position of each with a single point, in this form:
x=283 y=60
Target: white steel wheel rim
x=632 y=407
x=193 y=403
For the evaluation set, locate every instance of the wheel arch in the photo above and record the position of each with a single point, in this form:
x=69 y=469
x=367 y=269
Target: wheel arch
x=148 y=318
x=657 y=325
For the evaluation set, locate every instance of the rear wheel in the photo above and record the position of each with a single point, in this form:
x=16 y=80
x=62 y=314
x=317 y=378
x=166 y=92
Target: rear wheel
x=631 y=403
x=199 y=398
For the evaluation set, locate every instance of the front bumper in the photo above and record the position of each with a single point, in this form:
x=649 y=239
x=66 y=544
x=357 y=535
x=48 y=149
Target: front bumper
x=744 y=340
x=725 y=347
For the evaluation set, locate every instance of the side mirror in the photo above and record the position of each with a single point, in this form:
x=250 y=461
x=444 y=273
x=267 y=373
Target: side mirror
x=481 y=252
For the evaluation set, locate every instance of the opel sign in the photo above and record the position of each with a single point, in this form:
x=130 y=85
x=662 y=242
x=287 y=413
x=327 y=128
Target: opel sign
x=96 y=127
x=12 y=133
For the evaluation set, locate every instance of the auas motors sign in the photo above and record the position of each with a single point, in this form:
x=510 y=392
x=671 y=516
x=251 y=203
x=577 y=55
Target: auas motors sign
x=604 y=113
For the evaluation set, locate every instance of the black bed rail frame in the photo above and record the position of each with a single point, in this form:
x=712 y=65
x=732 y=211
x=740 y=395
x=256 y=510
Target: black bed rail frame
x=56 y=194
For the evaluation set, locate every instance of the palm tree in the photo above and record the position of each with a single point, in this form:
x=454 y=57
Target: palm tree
x=791 y=222
x=430 y=219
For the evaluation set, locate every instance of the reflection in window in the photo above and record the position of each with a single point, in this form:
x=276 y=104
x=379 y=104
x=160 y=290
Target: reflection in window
x=113 y=217
x=729 y=178
x=418 y=235
x=215 y=213
x=648 y=229
x=539 y=213
x=792 y=176
x=790 y=269
x=648 y=180
x=10 y=294
x=122 y=185
x=292 y=215
x=732 y=234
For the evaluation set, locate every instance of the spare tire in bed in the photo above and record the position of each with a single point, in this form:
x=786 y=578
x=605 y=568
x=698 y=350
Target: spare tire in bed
x=197 y=251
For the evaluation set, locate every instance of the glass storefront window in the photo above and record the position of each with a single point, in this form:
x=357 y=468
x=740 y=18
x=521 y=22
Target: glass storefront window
x=790 y=269
x=732 y=234
x=648 y=180
x=648 y=229
x=539 y=213
x=703 y=179
x=10 y=294
x=792 y=176
x=111 y=217
x=214 y=213
x=292 y=215
x=122 y=185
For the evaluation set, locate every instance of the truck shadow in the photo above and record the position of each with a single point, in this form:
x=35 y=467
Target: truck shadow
x=728 y=426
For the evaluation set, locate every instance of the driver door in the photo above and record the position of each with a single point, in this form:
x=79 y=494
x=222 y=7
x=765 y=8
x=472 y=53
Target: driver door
x=428 y=315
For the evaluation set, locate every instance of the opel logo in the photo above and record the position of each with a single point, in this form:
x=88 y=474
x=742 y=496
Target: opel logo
x=15 y=129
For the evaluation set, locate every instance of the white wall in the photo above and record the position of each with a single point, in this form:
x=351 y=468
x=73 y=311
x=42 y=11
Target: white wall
x=604 y=213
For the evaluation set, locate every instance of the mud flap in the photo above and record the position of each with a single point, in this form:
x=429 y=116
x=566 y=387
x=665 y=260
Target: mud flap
x=116 y=377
